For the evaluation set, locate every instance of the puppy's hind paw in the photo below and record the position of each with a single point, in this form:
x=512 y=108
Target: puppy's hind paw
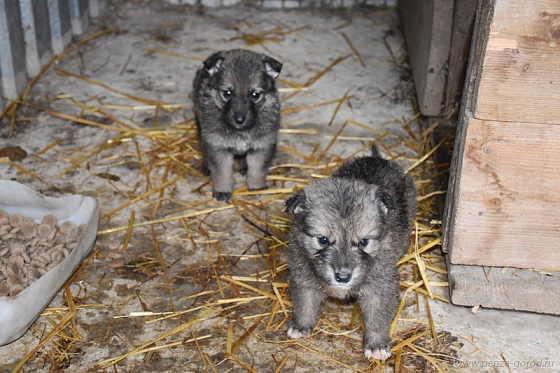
x=380 y=353
x=296 y=332
x=222 y=196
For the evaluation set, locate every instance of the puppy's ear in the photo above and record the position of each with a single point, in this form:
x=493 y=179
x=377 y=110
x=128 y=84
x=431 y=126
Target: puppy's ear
x=386 y=203
x=213 y=63
x=272 y=67
x=296 y=203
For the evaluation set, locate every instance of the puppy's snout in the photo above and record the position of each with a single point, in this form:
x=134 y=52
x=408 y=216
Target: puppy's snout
x=239 y=118
x=343 y=277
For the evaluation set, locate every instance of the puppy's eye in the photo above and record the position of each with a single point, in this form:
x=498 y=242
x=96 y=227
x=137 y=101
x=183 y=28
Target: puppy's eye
x=363 y=242
x=255 y=96
x=226 y=94
x=324 y=241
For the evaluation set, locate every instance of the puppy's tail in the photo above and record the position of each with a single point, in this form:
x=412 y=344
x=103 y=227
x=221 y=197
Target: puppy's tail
x=375 y=152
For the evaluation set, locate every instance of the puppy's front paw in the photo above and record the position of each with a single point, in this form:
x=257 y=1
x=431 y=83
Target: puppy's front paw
x=380 y=352
x=296 y=331
x=263 y=187
x=221 y=196
x=256 y=182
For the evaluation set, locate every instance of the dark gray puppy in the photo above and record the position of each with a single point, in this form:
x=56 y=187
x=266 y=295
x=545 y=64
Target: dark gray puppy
x=238 y=116
x=349 y=230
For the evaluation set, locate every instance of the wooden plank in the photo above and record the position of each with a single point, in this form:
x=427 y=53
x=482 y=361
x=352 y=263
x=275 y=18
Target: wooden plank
x=476 y=55
x=36 y=33
x=461 y=35
x=508 y=288
x=509 y=196
x=427 y=28
x=504 y=189
x=79 y=16
x=2 y=104
x=60 y=24
x=12 y=50
x=520 y=78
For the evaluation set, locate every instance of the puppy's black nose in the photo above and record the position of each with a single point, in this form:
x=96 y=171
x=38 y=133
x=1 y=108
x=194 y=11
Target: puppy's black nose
x=239 y=119
x=342 y=277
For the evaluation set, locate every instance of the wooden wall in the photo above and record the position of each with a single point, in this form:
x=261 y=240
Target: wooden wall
x=503 y=201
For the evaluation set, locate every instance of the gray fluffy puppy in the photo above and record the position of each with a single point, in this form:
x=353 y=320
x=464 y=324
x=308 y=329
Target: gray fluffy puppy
x=349 y=230
x=237 y=112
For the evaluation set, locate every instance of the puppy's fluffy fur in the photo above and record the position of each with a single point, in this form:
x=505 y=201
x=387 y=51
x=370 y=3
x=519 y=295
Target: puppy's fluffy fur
x=238 y=116
x=348 y=232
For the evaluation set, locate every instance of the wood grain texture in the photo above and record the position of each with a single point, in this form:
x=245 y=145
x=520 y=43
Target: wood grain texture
x=427 y=28
x=504 y=288
x=520 y=78
x=461 y=35
x=476 y=55
x=508 y=200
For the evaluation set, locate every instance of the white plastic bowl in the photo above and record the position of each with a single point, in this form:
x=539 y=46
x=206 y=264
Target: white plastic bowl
x=18 y=313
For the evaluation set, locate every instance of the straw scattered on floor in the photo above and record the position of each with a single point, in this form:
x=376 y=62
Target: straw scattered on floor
x=255 y=303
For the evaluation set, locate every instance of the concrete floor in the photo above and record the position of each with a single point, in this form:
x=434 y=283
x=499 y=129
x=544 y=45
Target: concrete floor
x=154 y=55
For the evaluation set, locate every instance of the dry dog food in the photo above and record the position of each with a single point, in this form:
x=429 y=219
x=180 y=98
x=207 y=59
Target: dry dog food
x=28 y=250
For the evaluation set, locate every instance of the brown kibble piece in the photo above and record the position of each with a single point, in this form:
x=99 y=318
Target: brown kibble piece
x=71 y=245
x=4 y=288
x=33 y=274
x=42 y=270
x=12 y=269
x=44 y=242
x=82 y=229
x=14 y=280
x=67 y=227
x=44 y=230
x=15 y=220
x=28 y=228
x=17 y=247
x=17 y=261
x=49 y=220
x=8 y=236
x=72 y=236
x=34 y=242
x=37 y=263
x=57 y=257
x=5 y=228
x=49 y=251
x=45 y=257
x=59 y=238
x=4 y=251
x=15 y=290
x=3 y=215
x=25 y=257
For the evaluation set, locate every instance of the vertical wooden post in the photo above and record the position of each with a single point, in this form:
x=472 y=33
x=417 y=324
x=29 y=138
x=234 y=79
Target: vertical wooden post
x=36 y=33
x=12 y=47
